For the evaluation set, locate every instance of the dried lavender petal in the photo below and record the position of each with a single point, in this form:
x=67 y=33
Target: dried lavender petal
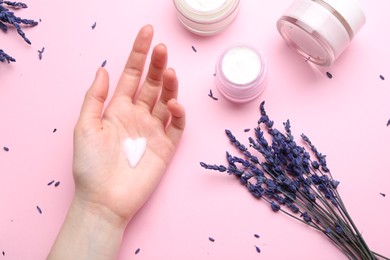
x=50 y=183
x=383 y=195
x=388 y=123
x=211 y=239
x=57 y=184
x=258 y=249
x=104 y=63
x=3 y=253
x=54 y=130
x=256 y=236
x=329 y=75
x=93 y=25
x=212 y=95
x=39 y=210
x=40 y=52
x=247 y=130
x=193 y=48
x=137 y=251
x=381 y=77
x=6 y=149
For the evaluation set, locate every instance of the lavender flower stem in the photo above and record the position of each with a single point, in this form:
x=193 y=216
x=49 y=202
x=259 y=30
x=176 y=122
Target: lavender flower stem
x=381 y=256
x=357 y=232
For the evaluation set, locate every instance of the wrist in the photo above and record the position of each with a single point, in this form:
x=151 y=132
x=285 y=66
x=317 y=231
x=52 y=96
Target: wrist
x=92 y=210
x=90 y=231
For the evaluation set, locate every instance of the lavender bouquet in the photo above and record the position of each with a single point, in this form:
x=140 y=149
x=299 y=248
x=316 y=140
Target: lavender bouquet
x=8 y=18
x=296 y=182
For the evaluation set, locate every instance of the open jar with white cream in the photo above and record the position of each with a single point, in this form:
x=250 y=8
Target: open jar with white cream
x=320 y=30
x=206 y=17
x=240 y=73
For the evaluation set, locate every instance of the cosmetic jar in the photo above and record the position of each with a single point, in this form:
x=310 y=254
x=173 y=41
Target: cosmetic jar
x=240 y=73
x=206 y=17
x=320 y=30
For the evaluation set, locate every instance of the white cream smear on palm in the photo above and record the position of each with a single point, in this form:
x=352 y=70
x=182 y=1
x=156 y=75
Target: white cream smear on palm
x=134 y=149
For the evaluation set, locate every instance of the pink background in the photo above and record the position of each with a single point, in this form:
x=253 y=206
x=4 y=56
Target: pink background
x=345 y=117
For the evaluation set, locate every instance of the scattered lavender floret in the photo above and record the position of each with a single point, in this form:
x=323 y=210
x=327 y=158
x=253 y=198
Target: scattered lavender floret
x=93 y=25
x=256 y=236
x=54 y=130
x=40 y=52
x=381 y=77
x=6 y=149
x=193 y=48
x=211 y=239
x=50 y=183
x=212 y=95
x=258 y=250
x=4 y=57
x=329 y=75
x=104 y=63
x=388 y=123
x=246 y=130
x=3 y=253
x=383 y=195
x=57 y=184
x=294 y=181
x=137 y=251
x=39 y=210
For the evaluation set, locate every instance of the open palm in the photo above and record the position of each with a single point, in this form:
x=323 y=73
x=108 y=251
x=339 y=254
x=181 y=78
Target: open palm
x=102 y=173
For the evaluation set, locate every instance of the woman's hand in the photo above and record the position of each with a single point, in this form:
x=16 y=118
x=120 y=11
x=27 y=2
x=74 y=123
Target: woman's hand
x=101 y=170
x=108 y=191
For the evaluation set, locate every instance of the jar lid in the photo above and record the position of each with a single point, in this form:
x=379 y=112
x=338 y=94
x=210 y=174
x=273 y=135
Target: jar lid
x=349 y=13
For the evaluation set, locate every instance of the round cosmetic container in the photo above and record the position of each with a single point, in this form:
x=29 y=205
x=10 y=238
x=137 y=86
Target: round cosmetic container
x=320 y=30
x=240 y=73
x=206 y=17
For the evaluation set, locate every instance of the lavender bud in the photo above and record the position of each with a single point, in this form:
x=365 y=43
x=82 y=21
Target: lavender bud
x=315 y=165
x=306 y=217
x=335 y=184
x=293 y=208
x=275 y=206
x=4 y=57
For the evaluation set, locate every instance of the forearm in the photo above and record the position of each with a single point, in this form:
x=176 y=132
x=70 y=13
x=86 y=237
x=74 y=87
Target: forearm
x=89 y=232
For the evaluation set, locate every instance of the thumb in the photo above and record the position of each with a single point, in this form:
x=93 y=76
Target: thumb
x=95 y=97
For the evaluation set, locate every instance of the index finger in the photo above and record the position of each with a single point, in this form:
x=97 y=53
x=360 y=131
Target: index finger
x=132 y=73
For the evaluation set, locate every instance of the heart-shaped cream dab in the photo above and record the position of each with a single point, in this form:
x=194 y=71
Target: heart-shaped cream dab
x=134 y=149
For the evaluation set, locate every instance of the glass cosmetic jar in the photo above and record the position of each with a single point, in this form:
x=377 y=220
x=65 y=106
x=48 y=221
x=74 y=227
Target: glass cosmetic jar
x=206 y=17
x=240 y=73
x=320 y=30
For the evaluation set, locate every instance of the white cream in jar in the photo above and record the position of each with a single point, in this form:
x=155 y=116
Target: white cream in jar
x=320 y=30
x=206 y=17
x=240 y=73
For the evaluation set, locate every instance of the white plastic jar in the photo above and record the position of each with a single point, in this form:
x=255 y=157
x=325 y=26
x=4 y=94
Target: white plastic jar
x=240 y=73
x=206 y=17
x=320 y=30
